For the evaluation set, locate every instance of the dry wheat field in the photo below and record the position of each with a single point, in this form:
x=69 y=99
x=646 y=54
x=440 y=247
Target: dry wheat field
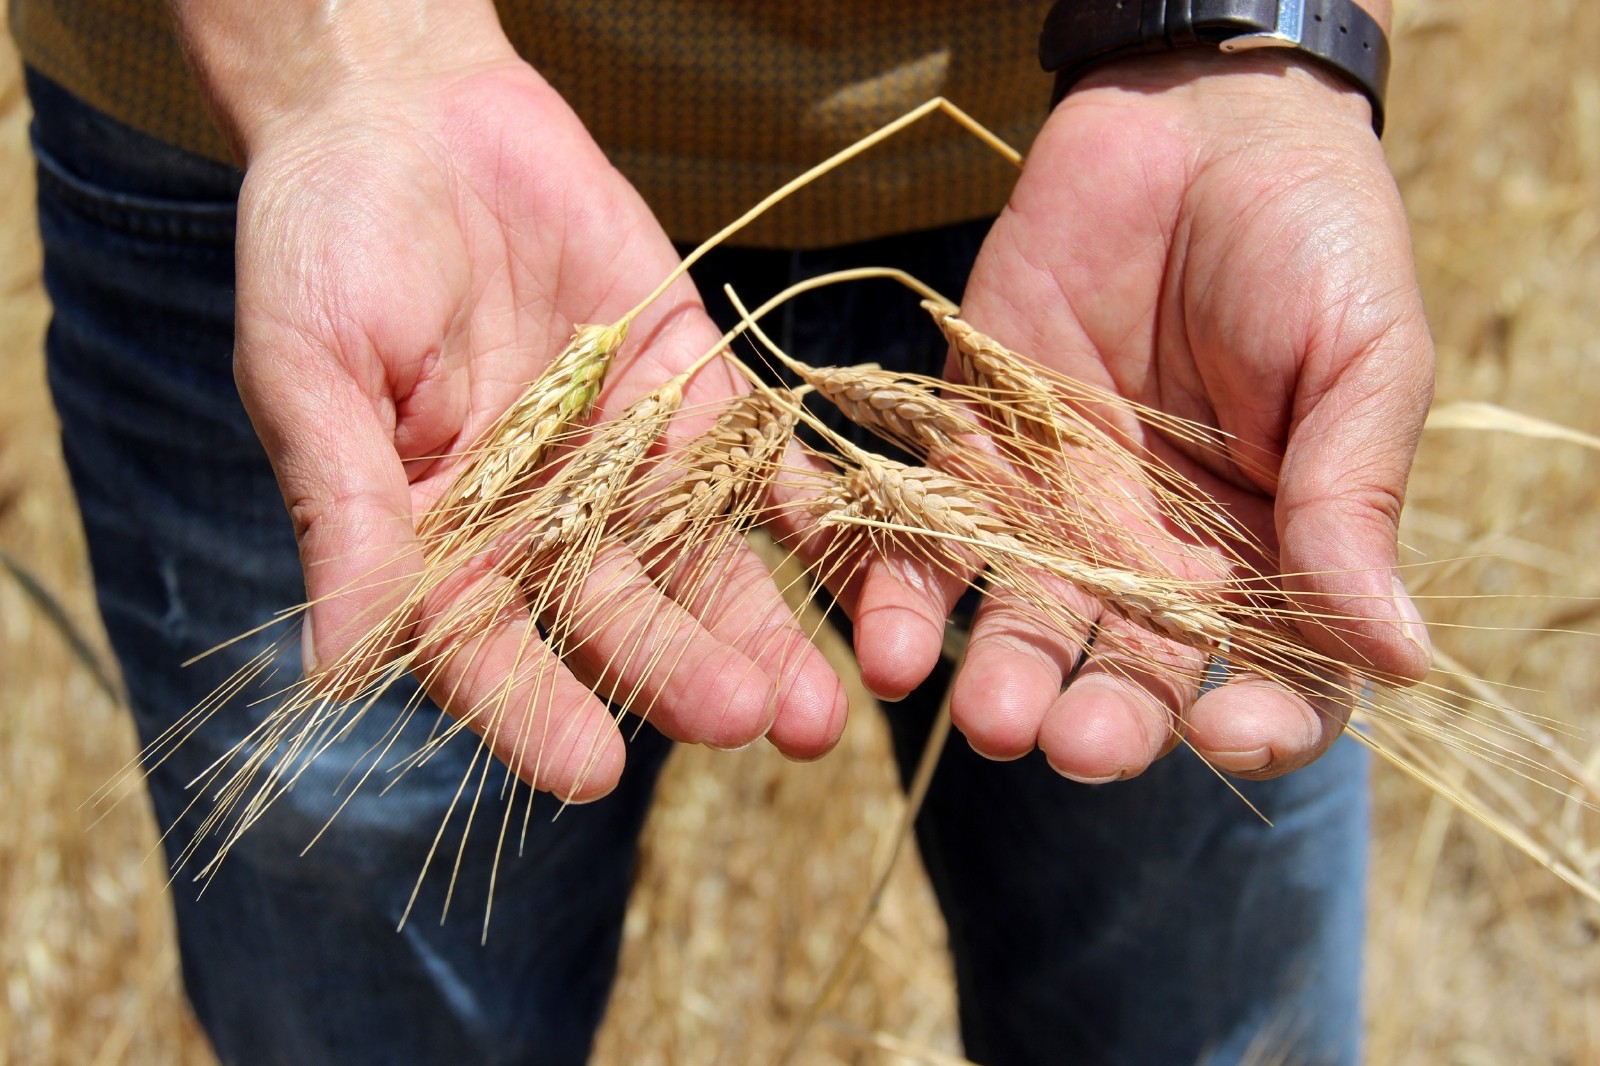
x=757 y=874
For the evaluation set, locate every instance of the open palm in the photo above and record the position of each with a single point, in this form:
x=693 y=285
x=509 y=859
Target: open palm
x=1217 y=239
x=406 y=266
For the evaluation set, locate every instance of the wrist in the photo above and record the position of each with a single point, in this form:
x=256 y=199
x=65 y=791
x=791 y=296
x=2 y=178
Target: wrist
x=1382 y=12
x=266 y=66
x=1246 y=93
x=1345 y=40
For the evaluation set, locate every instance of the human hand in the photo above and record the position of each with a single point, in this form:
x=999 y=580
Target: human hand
x=422 y=222
x=1218 y=238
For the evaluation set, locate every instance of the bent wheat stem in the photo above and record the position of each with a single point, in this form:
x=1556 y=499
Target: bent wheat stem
x=834 y=161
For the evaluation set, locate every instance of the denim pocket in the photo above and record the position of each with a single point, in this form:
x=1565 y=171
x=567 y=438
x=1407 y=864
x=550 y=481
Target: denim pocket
x=138 y=264
x=209 y=223
x=121 y=178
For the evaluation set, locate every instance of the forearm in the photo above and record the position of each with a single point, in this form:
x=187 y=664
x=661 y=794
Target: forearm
x=263 y=63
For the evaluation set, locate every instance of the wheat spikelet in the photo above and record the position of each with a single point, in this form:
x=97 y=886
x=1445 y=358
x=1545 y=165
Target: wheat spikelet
x=1148 y=601
x=582 y=495
x=887 y=491
x=1046 y=406
x=1038 y=421
x=558 y=532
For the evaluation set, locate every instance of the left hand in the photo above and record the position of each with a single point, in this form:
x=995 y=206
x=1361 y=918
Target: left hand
x=1217 y=237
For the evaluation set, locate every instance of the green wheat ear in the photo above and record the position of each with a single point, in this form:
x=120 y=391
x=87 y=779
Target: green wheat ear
x=587 y=360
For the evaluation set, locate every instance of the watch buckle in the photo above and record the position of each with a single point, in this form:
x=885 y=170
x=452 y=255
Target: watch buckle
x=1287 y=33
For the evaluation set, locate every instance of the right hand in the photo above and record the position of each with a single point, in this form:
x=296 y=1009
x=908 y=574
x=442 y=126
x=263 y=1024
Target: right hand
x=421 y=225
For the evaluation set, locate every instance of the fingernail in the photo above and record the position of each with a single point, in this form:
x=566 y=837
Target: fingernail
x=1240 y=762
x=1412 y=627
x=577 y=801
x=1090 y=780
x=1003 y=758
x=742 y=745
x=308 y=647
x=992 y=756
x=1083 y=780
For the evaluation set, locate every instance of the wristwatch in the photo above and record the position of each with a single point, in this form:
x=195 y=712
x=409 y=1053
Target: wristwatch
x=1079 y=35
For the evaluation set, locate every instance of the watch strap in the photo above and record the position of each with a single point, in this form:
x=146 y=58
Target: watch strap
x=1080 y=35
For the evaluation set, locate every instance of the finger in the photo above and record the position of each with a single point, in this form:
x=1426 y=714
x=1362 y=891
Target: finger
x=1338 y=508
x=1255 y=728
x=1277 y=709
x=896 y=591
x=732 y=594
x=1122 y=711
x=897 y=602
x=1016 y=663
x=480 y=658
x=643 y=650
x=900 y=603
x=346 y=492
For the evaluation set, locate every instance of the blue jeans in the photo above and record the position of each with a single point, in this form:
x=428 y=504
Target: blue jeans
x=1157 y=921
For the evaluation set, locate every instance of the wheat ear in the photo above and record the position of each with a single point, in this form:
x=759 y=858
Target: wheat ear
x=886 y=493
x=558 y=400
x=1022 y=399
x=583 y=494
x=727 y=469
x=899 y=407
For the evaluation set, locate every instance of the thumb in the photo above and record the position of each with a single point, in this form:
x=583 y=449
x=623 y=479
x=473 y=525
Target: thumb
x=346 y=492
x=1340 y=490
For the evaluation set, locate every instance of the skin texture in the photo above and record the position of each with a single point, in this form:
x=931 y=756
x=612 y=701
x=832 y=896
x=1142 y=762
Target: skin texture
x=1220 y=239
